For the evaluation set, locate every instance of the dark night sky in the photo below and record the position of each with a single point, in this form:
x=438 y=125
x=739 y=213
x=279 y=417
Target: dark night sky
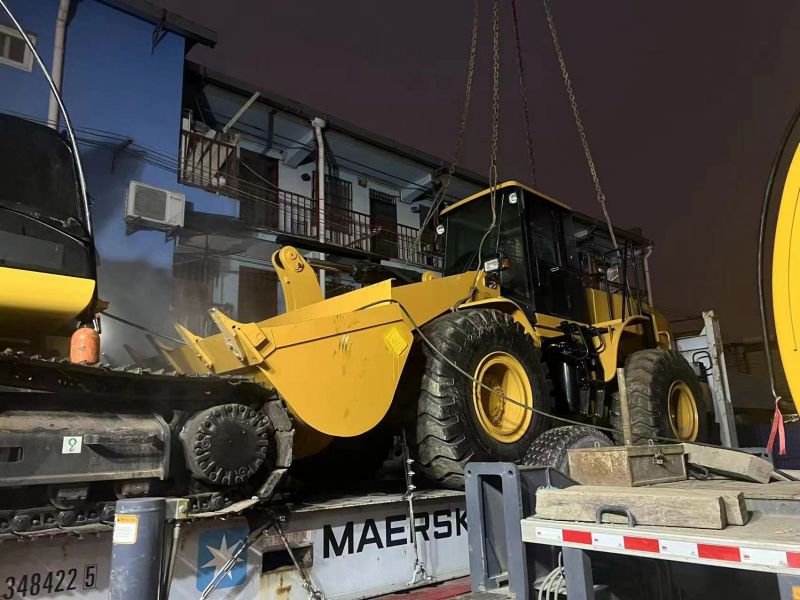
x=684 y=103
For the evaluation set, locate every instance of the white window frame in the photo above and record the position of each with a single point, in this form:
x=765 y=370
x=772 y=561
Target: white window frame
x=27 y=63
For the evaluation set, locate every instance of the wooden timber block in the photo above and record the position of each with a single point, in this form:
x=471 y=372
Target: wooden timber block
x=734 y=502
x=665 y=507
x=732 y=463
x=627 y=465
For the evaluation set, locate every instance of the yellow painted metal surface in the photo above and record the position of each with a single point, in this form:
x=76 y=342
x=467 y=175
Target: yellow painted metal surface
x=505 y=421
x=43 y=295
x=511 y=308
x=683 y=414
x=339 y=374
x=507 y=184
x=786 y=277
x=298 y=280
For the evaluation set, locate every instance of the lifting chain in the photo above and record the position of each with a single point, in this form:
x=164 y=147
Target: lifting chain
x=442 y=193
x=308 y=585
x=601 y=198
x=495 y=140
x=524 y=93
x=495 y=99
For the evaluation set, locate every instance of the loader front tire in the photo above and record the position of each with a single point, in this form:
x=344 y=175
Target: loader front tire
x=665 y=399
x=459 y=420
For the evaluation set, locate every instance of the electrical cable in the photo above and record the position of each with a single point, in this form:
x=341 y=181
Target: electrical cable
x=174 y=164
x=259 y=176
x=62 y=230
x=308 y=147
x=169 y=163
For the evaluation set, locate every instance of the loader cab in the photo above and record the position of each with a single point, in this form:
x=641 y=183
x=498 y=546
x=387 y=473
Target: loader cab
x=534 y=233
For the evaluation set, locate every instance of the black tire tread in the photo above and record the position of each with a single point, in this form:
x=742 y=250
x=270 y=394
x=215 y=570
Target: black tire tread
x=646 y=373
x=550 y=448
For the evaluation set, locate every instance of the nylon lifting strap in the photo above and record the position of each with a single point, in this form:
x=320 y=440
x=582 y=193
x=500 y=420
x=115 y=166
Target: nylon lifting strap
x=777 y=430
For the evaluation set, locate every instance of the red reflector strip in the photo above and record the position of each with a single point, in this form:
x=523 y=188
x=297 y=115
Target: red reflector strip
x=714 y=552
x=793 y=559
x=577 y=537
x=641 y=544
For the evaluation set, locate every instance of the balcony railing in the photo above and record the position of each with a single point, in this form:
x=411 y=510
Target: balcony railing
x=212 y=165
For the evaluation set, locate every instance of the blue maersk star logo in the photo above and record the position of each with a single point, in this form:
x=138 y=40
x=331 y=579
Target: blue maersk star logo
x=214 y=549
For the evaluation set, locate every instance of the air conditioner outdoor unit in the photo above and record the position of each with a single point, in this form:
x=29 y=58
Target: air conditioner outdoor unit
x=159 y=208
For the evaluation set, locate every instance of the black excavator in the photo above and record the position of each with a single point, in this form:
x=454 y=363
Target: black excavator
x=75 y=435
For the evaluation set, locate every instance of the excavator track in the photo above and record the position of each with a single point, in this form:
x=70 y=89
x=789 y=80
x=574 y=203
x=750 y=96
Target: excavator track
x=163 y=423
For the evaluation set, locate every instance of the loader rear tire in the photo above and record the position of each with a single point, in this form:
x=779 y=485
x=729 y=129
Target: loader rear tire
x=665 y=399
x=551 y=449
x=459 y=421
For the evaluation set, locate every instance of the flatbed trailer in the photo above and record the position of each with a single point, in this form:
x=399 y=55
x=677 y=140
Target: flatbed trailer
x=758 y=559
x=342 y=547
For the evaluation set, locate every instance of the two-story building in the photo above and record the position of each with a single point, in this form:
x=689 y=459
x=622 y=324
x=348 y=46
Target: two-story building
x=196 y=179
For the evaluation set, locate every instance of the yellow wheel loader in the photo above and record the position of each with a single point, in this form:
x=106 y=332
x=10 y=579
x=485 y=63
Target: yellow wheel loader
x=528 y=322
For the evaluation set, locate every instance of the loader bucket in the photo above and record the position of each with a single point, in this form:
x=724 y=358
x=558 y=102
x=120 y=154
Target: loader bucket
x=336 y=362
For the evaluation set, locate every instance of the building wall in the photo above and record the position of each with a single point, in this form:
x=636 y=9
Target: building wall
x=23 y=92
x=115 y=86
x=290 y=179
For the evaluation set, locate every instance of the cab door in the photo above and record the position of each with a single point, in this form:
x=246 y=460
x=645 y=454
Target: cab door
x=558 y=289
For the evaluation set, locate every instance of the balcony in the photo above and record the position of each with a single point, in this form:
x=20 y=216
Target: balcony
x=215 y=166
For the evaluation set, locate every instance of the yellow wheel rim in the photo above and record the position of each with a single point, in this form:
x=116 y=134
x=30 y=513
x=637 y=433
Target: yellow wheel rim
x=683 y=416
x=505 y=376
